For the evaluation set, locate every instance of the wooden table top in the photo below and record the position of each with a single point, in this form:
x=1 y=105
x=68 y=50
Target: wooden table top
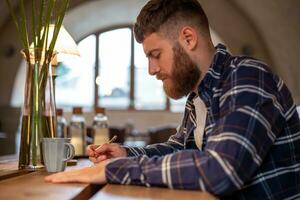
x=126 y=192
x=31 y=185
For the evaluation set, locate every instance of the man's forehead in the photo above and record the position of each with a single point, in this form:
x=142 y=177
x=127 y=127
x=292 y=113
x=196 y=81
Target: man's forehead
x=152 y=41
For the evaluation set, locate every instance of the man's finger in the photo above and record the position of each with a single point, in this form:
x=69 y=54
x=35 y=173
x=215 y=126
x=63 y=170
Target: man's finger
x=93 y=159
x=90 y=150
x=61 y=179
x=100 y=158
x=94 y=146
x=102 y=148
x=53 y=177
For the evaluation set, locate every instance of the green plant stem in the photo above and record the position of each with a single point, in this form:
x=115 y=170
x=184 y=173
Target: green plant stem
x=33 y=29
x=47 y=21
x=36 y=114
x=58 y=24
x=16 y=22
x=23 y=22
x=40 y=23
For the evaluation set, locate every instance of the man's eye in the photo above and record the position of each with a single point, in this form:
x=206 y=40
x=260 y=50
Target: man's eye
x=157 y=55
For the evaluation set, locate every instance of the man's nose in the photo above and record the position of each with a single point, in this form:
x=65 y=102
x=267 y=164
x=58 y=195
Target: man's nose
x=153 y=68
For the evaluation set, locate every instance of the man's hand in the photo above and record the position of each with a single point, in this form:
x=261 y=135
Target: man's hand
x=94 y=174
x=98 y=153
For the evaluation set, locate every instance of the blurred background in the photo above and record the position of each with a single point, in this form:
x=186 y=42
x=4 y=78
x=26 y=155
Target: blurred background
x=112 y=69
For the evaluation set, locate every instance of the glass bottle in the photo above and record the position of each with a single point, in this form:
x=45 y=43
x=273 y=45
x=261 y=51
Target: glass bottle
x=77 y=131
x=61 y=128
x=100 y=126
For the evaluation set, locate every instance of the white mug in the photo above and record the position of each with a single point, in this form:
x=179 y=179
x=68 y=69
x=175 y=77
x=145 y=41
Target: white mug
x=56 y=153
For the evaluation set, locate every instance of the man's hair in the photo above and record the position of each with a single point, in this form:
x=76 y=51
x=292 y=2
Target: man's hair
x=168 y=16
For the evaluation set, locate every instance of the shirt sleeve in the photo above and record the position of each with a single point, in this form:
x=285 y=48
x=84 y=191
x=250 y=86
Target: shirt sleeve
x=251 y=117
x=174 y=144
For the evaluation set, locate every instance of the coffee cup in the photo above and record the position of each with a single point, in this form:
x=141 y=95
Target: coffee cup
x=56 y=153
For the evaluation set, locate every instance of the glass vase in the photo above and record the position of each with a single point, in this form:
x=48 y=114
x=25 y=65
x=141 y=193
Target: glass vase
x=38 y=113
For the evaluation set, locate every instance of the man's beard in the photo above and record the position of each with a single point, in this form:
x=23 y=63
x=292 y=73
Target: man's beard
x=184 y=74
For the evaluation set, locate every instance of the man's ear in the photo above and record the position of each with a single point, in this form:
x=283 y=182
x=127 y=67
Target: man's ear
x=188 y=37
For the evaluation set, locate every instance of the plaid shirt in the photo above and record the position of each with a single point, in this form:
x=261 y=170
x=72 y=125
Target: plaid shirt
x=251 y=142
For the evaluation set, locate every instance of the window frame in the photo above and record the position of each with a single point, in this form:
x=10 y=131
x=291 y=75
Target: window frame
x=131 y=106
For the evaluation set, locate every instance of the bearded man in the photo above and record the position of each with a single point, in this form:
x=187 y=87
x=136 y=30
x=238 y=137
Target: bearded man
x=240 y=134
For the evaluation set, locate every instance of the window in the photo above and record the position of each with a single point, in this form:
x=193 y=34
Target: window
x=114 y=69
x=118 y=86
x=74 y=85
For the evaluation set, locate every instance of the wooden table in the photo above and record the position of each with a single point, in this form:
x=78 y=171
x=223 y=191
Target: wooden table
x=124 y=192
x=18 y=184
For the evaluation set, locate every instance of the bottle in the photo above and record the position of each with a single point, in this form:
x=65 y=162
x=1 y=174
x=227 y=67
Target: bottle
x=77 y=131
x=100 y=126
x=61 y=128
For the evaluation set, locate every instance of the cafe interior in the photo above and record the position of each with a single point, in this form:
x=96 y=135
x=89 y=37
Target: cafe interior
x=100 y=70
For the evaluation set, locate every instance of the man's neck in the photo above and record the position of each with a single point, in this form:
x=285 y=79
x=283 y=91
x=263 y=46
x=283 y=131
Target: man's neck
x=204 y=59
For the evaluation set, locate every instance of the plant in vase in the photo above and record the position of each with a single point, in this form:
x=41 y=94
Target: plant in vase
x=38 y=113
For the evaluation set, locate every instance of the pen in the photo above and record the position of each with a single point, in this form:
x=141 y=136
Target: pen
x=112 y=139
